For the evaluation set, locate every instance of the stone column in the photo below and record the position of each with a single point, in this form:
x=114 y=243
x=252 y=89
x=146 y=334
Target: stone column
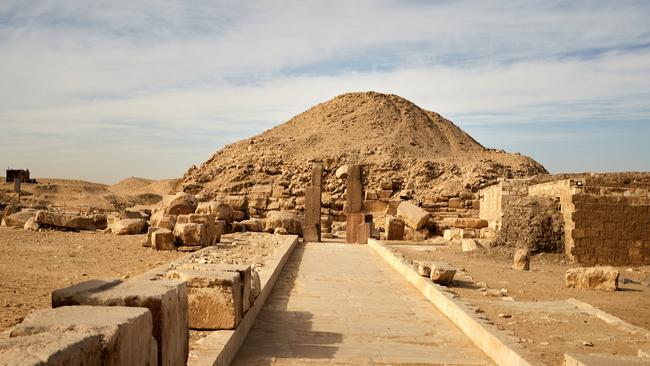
x=353 y=203
x=313 y=194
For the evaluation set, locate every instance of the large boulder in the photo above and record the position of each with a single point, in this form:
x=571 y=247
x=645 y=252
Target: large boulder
x=19 y=219
x=287 y=220
x=597 y=278
x=129 y=227
x=181 y=204
x=64 y=221
x=413 y=216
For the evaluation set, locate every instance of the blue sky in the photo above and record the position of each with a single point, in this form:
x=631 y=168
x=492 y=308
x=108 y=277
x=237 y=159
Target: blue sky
x=103 y=90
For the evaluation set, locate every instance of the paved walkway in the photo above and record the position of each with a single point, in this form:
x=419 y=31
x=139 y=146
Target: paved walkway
x=340 y=304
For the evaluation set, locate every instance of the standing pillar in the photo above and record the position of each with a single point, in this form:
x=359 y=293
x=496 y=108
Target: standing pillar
x=313 y=194
x=353 y=203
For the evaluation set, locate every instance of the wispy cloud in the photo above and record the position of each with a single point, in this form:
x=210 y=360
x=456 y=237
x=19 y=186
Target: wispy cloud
x=172 y=81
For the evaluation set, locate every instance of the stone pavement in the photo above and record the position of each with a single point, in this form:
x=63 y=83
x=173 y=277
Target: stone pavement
x=340 y=304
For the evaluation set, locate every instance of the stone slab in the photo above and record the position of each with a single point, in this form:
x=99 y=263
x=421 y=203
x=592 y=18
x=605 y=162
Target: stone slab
x=243 y=270
x=354 y=190
x=52 y=349
x=312 y=232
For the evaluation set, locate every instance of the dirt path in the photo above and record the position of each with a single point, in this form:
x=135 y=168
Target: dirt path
x=32 y=264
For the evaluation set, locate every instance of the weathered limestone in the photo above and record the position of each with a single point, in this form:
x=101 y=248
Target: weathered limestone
x=245 y=275
x=32 y=225
x=413 y=216
x=52 y=349
x=342 y=172
x=238 y=203
x=209 y=222
x=364 y=232
x=284 y=219
x=354 y=190
x=64 y=221
x=469 y=245
x=222 y=211
x=597 y=278
x=214 y=298
x=254 y=225
x=452 y=234
x=352 y=226
x=181 y=204
x=312 y=214
x=100 y=221
x=162 y=239
x=521 y=260
x=159 y=219
x=190 y=234
x=126 y=332
x=394 y=228
x=442 y=273
x=129 y=227
x=19 y=219
x=424 y=269
x=167 y=301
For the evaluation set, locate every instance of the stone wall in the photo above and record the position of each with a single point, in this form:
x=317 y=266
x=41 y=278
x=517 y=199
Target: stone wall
x=563 y=190
x=493 y=199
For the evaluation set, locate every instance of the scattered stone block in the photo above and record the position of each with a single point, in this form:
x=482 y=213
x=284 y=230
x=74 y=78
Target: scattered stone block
x=162 y=239
x=394 y=228
x=452 y=234
x=52 y=349
x=209 y=222
x=354 y=190
x=190 y=234
x=126 y=332
x=19 y=219
x=469 y=245
x=284 y=219
x=167 y=301
x=214 y=298
x=521 y=261
x=245 y=275
x=424 y=269
x=254 y=225
x=134 y=215
x=129 y=227
x=351 y=228
x=150 y=231
x=413 y=216
x=100 y=221
x=64 y=221
x=181 y=204
x=442 y=273
x=32 y=225
x=597 y=278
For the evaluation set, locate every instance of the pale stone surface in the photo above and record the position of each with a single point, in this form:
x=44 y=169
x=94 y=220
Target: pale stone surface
x=254 y=225
x=424 y=269
x=280 y=231
x=521 y=260
x=284 y=219
x=452 y=234
x=243 y=270
x=596 y=359
x=19 y=219
x=31 y=224
x=65 y=221
x=162 y=239
x=442 y=273
x=163 y=221
x=52 y=349
x=126 y=332
x=413 y=216
x=129 y=227
x=180 y=204
x=256 y=284
x=190 y=234
x=214 y=298
x=469 y=245
x=209 y=222
x=597 y=278
x=167 y=301
x=340 y=304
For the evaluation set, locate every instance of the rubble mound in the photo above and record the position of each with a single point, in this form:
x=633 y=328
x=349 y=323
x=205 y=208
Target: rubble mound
x=395 y=141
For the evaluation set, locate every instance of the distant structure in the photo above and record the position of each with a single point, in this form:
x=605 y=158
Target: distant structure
x=22 y=174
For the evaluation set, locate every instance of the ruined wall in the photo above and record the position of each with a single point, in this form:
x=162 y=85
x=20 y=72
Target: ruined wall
x=495 y=198
x=563 y=190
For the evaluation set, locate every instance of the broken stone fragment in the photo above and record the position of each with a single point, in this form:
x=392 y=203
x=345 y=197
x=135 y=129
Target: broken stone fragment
x=180 y=204
x=424 y=269
x=287 y=220
x=190 y=234
x=597 y=278
x=254 y=225
x=442 y=273
x=521 y=260
x=413 y=216
x=129 y=227
x=19 y=219
x=469 y=245
x=64 y=221
x=162 y=239
x=32 y=225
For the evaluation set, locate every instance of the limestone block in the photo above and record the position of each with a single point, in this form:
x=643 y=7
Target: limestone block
x=64 y=221
x=413 y=216
x=442 y=273
x=256 y=284
x=180 y=204
x=214 y=298
x=452 y=234
x=167 y=301
x=189 y=248
x=220 y=230
x=129 y=227
x=164 y=221
x=455 y=203
x=284 y=219
x=150 y=231
x=100 y=221
x=521 y=260
x=469 y=245
x=424 y=269
x=351 y=228
x=312 y=214
x=243 y=270
x=238 y=215
x=364 y=232
x=254 y=225
x=190 y=234
x=209 y=221
x=52 y=349
x=126 y=332
x=238 y=203
x=134 y=215
x=597 y=278
x=354 y=190
x=384 y=194
x=162 y=239
x=317 y=175
x=394 y=228
x=415 y=235
x=19 y=219
x=280 y=231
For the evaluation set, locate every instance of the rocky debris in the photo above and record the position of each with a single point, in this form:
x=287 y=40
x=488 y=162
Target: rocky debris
x=413 y=216
x=469 y=245
x=20 y=218
x=64 y=221
x=287 y=220
x=597 y=278
x=521 y=260
x=424 y=269
x=180 y=204
x=129 y=227
x=442 y=273
x=32 y=225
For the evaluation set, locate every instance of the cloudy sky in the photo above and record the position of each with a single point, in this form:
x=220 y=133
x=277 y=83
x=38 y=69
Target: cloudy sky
x=103 y=90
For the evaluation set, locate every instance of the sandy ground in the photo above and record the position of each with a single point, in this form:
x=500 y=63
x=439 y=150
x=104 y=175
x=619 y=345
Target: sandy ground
x=545 y=324
x=32 y=264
